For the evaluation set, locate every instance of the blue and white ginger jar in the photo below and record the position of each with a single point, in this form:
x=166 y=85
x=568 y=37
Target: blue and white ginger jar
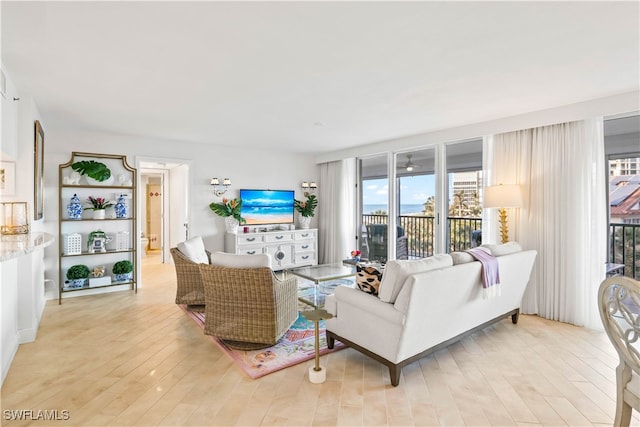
x=121 y=207
x=74 y=208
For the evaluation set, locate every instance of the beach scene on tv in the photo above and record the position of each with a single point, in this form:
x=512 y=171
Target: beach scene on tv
x=267 y=206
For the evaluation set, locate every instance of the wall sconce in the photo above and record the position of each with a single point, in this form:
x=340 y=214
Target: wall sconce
x=501 y=197
x=309 y=186
x=215 y=183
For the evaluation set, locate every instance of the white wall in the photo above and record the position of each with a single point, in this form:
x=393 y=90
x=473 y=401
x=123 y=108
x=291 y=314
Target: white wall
x=9 y=122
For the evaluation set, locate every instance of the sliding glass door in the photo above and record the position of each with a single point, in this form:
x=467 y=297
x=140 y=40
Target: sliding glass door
x=416 y=201
x=464 y=188
x=373 y=196
x=420 y=210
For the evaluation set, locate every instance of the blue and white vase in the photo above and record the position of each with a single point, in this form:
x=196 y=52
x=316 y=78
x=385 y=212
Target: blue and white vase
x=74 y=208
x=121 y=207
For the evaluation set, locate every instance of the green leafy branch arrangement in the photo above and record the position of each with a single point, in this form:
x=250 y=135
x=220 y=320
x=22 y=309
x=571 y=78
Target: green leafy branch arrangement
x=96 y=170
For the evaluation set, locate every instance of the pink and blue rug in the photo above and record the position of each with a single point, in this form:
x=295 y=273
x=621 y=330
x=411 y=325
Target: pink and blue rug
x=296 y=346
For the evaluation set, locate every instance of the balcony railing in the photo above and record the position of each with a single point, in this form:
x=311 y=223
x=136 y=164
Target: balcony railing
x=624 y=238
x=419 y=230
x=624 y=241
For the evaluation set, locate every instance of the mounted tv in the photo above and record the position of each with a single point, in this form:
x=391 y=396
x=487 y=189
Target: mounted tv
x=267 y=206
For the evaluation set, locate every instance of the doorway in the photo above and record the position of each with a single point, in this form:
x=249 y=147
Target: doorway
x=163 y=215
x=152 y=215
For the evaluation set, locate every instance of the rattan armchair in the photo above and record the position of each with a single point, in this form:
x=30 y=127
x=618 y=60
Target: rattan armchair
x=248 y=308
x=189 y=290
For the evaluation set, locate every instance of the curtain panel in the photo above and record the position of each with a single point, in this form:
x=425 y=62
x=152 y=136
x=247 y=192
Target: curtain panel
x=561 y=169
x=336 y=210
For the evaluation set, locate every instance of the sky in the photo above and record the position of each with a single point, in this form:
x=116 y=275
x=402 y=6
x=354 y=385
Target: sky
x=414 y=190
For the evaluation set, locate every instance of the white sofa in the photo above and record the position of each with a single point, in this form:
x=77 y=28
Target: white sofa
x=426 y=305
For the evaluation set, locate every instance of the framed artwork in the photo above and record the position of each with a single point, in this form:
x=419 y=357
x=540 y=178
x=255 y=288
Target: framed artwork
x=38 y=173
x=8 y=178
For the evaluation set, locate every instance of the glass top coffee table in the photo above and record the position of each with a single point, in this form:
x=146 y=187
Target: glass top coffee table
x=325 y=279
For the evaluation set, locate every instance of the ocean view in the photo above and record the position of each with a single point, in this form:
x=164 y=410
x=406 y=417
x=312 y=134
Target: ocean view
x=404 y=209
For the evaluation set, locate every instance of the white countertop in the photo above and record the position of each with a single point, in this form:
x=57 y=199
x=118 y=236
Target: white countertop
x=17 y=245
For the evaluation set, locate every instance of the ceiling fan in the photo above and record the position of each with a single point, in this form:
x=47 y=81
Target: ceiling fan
x=410 y=166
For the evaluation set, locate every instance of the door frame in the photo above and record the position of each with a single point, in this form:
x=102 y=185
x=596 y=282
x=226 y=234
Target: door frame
x=161 y=164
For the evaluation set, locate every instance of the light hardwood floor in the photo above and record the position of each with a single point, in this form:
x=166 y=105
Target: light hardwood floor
x=122 y=360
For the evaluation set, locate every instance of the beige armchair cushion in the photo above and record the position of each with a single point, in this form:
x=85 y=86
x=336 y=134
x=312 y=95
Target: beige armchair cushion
x=194 y=250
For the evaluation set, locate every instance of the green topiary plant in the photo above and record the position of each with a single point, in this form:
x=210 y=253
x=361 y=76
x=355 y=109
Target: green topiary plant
x=78 y=272
x=123 y=267
x=96 y=170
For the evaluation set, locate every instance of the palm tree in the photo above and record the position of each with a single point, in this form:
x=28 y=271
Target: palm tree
x=476 y=209
x=430 y=206
x=459 y=203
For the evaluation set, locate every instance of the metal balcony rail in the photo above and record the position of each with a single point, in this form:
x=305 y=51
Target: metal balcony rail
x=419 y=230
x=624 y=247
x=624 y=239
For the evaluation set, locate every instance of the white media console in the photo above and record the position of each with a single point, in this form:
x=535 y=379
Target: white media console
x=288 y=248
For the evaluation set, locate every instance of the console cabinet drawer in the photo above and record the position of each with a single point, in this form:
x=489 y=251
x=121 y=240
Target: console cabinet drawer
x=306 y=258
x=305 y=246
x=249 y=250
x=250 y=239
x=305 y=235
x=278 y=238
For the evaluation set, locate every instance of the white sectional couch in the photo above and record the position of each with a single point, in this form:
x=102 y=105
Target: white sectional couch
x=425 y=305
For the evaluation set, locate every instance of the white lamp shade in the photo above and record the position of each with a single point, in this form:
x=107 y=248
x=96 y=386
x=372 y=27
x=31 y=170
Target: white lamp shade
x=503 y=196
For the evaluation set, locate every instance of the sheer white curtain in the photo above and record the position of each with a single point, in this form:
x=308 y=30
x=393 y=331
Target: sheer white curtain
x=562 y=172
x=336 y=210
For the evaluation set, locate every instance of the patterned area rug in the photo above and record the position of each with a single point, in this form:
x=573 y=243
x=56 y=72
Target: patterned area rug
x=296 y=346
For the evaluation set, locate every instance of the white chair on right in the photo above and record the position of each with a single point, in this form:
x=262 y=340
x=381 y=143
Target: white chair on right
x=619 y=302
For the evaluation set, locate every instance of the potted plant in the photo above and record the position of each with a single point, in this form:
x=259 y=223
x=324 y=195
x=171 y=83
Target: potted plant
x=99 y=206
x=77 y=276
x=123 y=271
x=230 y=210
x=96 y=171
x=306 y=209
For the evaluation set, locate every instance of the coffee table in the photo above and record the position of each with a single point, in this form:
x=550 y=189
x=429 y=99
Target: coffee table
x=325 y=278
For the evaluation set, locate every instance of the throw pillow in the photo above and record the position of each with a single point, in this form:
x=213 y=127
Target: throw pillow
x=223 y=259
x=397 y=271
x=368 y=278
x=464 y=257
x=504 y=249
x=194 y=250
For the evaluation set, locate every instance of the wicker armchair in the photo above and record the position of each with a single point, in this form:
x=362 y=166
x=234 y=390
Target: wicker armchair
x=248 y=308
x=190 y=290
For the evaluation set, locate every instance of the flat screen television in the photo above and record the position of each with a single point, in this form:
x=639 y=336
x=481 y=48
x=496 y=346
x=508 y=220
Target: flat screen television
x=267 y=206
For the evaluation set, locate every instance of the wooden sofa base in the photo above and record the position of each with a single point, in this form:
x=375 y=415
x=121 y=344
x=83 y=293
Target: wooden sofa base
x=396 y=368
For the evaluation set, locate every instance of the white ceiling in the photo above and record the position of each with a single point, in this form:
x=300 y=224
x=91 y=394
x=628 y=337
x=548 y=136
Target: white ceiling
x=312 y=76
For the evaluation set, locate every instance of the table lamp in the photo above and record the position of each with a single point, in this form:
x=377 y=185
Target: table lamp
x=502 y=197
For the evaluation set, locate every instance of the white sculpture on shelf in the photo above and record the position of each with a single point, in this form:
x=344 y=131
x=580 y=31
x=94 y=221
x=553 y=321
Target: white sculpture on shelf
x=72 y=179
x=124 y=181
